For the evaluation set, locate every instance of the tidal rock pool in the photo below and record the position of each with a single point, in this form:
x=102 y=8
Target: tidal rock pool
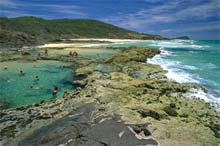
x=34 y=83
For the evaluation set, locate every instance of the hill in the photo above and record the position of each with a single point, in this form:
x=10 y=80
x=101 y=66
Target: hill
x=32 y=30
x=182 y=38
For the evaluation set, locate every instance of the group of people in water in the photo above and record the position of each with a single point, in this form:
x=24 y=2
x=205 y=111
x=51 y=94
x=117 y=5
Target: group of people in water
x=54 y=89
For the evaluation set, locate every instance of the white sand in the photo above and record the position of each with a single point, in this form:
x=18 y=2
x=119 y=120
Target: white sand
x=109 y=40
x=59 y=45
x=86 y=44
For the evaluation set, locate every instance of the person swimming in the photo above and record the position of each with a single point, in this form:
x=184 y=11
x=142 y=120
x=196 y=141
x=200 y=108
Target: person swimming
x=21 y=73
x=36 y=78
x=46 y=52
x=54 y=91
x=5 y=67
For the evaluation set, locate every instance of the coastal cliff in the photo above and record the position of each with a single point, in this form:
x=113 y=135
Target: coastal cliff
x=118 y=101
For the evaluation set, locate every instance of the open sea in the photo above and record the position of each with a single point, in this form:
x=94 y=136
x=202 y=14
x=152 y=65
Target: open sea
x=188 y=61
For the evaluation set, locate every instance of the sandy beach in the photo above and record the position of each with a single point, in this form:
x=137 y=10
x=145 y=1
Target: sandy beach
x=86 y=44
x=108 y=40
x=83 y=47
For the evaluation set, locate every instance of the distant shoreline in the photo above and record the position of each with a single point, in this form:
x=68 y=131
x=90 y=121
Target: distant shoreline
x=107 y=40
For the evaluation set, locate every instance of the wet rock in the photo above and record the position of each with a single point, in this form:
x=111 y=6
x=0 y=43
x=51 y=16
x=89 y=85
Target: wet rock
x=134 y=54
x=8 y=131
x=138 y=128
x=106 y=68
x=80 y=83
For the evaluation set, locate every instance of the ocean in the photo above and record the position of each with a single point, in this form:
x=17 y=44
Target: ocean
x=194 y=61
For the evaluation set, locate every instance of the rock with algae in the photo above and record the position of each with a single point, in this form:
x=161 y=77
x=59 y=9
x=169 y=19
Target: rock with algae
x=124 y=94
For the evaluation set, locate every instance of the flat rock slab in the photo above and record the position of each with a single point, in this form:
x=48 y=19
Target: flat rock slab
x=86 y=126
x=113 y=133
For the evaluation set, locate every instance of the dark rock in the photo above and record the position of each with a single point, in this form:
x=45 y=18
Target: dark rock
x=2 y=114
x=20 y=108
x=81 y=128
x=25 y=122
x=170 y=111
x=36 y=104
x=25 y=53
x=138 y=128
x=80 y=83
x=149 y=113
x=173 y=105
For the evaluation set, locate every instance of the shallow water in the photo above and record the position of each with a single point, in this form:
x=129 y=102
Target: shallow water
x=15 y=89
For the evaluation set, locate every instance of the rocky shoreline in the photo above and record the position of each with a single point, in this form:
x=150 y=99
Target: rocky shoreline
x=119 y=101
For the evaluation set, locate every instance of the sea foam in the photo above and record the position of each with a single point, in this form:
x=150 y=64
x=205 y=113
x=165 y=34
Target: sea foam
x=177 y=44
x=175 y=71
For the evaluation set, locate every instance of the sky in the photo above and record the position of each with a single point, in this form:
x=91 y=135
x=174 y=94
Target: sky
x=198 y=19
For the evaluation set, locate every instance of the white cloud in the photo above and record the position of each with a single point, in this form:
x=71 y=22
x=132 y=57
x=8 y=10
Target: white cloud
x=195 y=28
x=65 y=9
x=203 y=26
x=169 y=12
x=166 y=30
x=18 y=14
x=153 y=1
x=5 y=5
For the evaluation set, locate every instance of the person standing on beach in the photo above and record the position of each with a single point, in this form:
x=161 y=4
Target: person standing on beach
x=46 y=52
x=75 y=54
x=71 y=53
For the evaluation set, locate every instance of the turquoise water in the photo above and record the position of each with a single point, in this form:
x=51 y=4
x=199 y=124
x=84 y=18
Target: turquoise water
x=15 y=89
x=188 y=61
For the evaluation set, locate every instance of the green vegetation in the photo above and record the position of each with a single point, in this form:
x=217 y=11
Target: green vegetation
x=31 y=30
x=182 y=38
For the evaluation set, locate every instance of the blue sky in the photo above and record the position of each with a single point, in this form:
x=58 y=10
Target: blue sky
x=199 y=19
